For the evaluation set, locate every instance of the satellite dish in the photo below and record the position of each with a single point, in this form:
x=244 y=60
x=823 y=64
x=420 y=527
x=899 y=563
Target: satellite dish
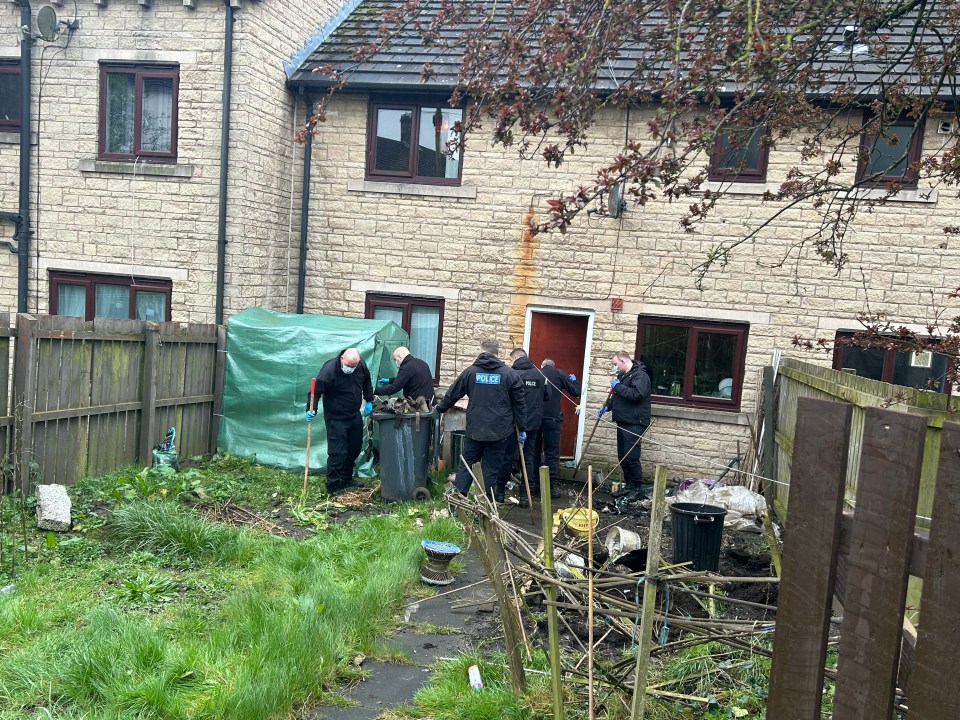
x=47 y=23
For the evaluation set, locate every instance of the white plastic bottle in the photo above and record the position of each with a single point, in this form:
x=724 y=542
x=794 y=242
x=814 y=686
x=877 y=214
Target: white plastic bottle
x=476 y=682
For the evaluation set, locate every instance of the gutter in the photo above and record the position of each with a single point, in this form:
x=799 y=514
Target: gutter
x=224 y=156
x=304 y=206
x=22 y=235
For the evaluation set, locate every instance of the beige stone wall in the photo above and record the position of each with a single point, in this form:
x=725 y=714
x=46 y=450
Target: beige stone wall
x=166 y=225
x=472 y=251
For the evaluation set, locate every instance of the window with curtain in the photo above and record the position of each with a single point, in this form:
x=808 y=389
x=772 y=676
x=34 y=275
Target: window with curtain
x=693 y=363
x=138 y=112
x=9 y=96
x=90 y=295
x=413 y=142
x=421 y=318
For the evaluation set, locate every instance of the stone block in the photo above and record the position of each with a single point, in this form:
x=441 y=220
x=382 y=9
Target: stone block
x=53 y=508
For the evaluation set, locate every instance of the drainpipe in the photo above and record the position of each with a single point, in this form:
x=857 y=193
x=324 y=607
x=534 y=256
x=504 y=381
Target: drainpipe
x=224 y=155
x=23 y=221
x=304 y=208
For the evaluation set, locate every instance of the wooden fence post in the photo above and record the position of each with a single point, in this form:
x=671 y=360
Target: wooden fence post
x=24 y=390
x=218 y=387
x=809 y=558
x=769 y=432
x=148 y=411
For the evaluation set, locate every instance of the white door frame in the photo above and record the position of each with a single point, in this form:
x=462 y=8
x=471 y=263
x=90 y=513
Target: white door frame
x=589 y=314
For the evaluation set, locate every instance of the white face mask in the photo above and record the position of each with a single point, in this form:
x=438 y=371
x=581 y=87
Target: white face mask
x=614 y=369
x=397 y=362
x=347 y=370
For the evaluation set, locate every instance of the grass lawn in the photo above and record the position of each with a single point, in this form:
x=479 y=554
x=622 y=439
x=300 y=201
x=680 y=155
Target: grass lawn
x=148 y=609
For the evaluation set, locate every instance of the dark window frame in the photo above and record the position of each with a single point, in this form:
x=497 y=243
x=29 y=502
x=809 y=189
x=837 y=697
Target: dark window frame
x=12 y=68
x=889 y=361
x=140 y=72
x=911 y=176
x=415 y=105
x=91 y=280
x=758 y=174
x=405 y=303
x=694 y=327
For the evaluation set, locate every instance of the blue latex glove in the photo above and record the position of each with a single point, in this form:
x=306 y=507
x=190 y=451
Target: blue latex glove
x=522 y=437
x=601 y=411
x=367 y=409
x=383 y=381
x=571 y=377
x=614 y=383
x=309 y=415
x=577 y=410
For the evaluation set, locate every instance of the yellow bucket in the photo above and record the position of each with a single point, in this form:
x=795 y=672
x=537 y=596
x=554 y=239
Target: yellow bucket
x=578 y=521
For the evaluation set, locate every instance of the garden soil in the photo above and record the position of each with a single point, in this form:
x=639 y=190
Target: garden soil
x=473 y=612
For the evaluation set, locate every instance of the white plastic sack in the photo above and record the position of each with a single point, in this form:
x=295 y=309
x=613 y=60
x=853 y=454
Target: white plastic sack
x=743 y=506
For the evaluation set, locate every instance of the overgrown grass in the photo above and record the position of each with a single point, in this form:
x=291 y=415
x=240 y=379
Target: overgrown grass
x=153 y=611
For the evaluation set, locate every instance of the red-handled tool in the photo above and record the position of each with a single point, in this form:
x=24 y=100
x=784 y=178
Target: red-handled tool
x=306 y=463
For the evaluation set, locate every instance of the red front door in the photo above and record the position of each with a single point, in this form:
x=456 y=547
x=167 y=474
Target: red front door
x=564 y=339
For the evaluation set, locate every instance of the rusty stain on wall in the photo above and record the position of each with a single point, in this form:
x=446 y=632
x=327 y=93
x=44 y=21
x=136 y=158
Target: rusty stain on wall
x=523 y=282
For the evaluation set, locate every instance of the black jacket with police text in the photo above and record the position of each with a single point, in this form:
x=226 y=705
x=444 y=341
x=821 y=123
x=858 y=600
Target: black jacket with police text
x=496 y=399
x=413 y=377
x=558 y=381
x=342 y=394
x=630 y=400
x=536 y=392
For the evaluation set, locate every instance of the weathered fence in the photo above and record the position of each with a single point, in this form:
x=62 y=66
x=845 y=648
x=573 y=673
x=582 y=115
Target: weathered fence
x=796 y=379
x=865 y=560
x=91 y=397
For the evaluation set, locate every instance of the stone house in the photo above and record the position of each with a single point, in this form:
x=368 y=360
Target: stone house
x=396 y=229
x=131 y=211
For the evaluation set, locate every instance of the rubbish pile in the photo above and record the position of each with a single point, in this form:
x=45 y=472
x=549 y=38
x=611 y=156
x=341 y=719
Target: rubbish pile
x=744 y=507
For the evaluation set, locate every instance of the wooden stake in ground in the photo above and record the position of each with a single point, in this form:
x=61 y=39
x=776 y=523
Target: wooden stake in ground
x=306 y=463
x=649 y=594
x=553 y=634
x=590 y=592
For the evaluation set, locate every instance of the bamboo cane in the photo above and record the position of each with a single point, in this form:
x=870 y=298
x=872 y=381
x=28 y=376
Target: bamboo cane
x=589 y=593
x=551 y=591
x=306 y=463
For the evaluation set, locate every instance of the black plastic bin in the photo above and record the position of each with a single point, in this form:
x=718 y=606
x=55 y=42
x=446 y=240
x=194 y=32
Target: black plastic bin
x=697 y=532
x=405 y=444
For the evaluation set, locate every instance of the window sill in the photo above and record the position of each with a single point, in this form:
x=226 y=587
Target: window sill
x=699 y=414
x=740 y=188
x=399 y=188
x=122 y=167
x=927 y=196
x=13 y=138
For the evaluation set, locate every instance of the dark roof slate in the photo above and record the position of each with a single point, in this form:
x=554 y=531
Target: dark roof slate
x=399 y=66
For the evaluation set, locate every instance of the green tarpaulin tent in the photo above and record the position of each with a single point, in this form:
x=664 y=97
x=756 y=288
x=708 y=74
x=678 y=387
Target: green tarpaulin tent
x=271 y=358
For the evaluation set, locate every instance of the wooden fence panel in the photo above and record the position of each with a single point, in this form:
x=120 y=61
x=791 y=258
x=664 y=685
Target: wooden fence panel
x=932 y=686
x=883 y=527
x=83 y=392
x=6 y=416
x=809 y=560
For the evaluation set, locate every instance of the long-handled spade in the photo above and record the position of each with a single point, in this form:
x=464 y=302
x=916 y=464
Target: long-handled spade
x=583 y=453
x=306 y=463
x=523 y=471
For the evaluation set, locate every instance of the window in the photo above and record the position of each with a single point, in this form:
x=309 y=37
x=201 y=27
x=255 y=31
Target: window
x=693 y=363
x=410 y=142
x=924 y=370
x=740 y=154
x=891 y=158
x=422 y=318
x=138 y=112
x=90 y=296
x=9 y=96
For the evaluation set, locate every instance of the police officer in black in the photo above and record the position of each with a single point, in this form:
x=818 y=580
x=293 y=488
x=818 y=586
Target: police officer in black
x=344 y=384
x=553 y=417
x=413 y=377
x=629 y=399
x=536 y=392
x=496 y=407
